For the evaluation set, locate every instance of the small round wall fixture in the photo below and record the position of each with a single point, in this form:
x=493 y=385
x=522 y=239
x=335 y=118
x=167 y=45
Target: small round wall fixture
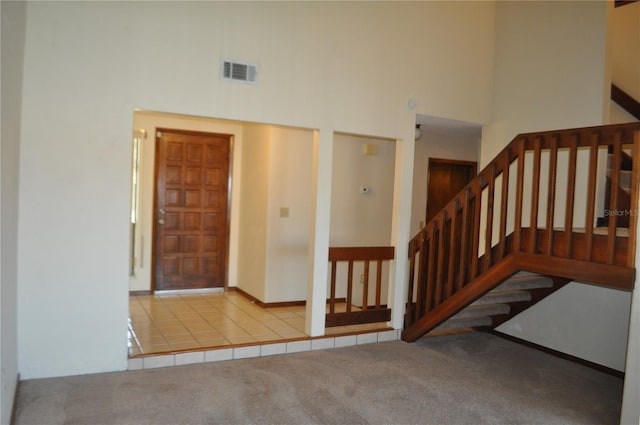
x=412 y=103
x=418 y=132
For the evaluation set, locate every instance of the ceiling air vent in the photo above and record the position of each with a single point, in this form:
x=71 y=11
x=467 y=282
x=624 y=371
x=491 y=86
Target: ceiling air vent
x=239 y=71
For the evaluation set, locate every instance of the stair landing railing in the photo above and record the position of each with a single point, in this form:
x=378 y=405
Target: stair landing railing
x=361 y=265
x=537 y=201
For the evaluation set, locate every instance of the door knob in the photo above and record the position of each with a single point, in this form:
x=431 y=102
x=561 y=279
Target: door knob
x=161 y=211
x=160 y=221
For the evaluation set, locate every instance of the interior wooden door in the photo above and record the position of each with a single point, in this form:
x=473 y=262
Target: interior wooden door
x=445 y=179
x=190 y=231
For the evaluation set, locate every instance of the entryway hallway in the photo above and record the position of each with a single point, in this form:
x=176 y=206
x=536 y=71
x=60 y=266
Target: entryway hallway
x=160 y=324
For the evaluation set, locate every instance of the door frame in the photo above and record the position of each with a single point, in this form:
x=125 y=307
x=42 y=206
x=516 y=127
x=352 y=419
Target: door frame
x=155 y=202
x=472 y=164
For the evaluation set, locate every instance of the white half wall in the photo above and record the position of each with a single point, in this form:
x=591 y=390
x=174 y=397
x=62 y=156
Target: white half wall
x=13 y=34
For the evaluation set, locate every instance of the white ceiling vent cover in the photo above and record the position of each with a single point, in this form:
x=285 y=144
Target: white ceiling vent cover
x=239 y=71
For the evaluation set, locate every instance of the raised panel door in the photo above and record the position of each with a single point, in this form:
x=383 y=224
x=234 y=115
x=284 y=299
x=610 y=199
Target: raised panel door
x=190 y=248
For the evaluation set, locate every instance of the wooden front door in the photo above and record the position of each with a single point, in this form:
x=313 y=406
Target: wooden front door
x=190 y=231
x=445 y=179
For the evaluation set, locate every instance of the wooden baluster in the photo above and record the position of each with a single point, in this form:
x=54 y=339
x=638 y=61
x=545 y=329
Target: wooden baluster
x=332 y=299
x=475 y=232
x=440 y=266
x=431 y=267
x=633 y=219
x=535 y=197
x=517 y=225
x=504 y=201
x=571 y=191
x=489 y=230
x=378 y=283
x=551 y=192
x=453 y=241
x=464 y=235
x=365 y=286
x=350 y=286
x=421 y=306
x=591 y=194
x=613 y=198
x=409 y=316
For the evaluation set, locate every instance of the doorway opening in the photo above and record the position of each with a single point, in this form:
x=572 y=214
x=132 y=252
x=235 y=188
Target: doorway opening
x=441 y=138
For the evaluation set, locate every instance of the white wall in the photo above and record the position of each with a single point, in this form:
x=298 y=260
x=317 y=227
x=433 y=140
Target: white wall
x=362 y=219
x=359 y=219
x=88 y=65
x=625 y=48
x=13 y=33
x=253 y=210
x=273 y=249
x=287 y=242
x=619 y=115
x=625 y=57
x=565 y=322
x=549 y=70
x=437 y=143
x=631 y=395
x=551 y=73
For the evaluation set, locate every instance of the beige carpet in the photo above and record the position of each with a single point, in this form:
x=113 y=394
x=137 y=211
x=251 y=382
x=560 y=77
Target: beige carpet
x=472 y=378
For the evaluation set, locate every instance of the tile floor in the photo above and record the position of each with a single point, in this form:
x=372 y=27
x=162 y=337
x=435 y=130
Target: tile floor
x=187 y=322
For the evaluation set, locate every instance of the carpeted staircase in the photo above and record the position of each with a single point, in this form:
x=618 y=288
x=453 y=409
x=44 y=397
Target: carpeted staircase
x=498 y=302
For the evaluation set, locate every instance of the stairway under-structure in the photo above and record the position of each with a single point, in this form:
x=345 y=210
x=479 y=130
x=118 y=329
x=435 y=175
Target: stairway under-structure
x=552 y=207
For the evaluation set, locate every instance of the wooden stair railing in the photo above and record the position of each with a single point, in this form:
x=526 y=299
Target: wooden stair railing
x=371 y=308
x=619 y=3
x=532 y=208
x=626 y=101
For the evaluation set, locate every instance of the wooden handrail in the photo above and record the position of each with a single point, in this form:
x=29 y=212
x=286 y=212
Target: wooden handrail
x=474 y=234
x=625 y=100
x=619 y=3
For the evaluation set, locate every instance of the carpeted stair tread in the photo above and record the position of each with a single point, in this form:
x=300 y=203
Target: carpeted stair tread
x=482 y=310
x=533 y=281
x=470 y=322
x=497 y=297
x=497 y=301
x=624 y=179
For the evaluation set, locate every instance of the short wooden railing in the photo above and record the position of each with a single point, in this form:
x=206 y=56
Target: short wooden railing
x=366 y=313
x=534 y=205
